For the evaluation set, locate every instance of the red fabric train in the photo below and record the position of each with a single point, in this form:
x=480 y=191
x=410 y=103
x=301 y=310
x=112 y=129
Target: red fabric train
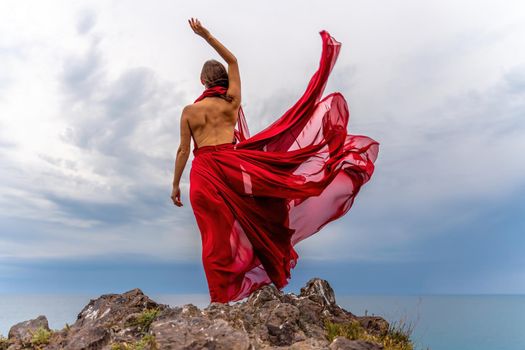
x=256 y=198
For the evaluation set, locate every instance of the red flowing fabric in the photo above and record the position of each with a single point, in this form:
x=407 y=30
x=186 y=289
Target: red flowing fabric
x=255 y=198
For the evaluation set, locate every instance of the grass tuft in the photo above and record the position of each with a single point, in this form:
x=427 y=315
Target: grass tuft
x=351 y=330
x=397 y=336
x=145 y=319
x=40 y=336
x=147 y=342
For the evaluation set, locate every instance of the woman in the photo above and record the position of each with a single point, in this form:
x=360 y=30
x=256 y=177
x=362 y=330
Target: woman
x=255 y=197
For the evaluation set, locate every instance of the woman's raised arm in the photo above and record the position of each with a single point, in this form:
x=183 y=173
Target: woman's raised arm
x=234 y=78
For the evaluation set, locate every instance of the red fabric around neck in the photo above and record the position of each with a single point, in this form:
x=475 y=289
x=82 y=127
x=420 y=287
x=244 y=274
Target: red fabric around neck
x=212 y=91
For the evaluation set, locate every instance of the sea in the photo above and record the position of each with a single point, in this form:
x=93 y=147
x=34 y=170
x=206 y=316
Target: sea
x=436 y=322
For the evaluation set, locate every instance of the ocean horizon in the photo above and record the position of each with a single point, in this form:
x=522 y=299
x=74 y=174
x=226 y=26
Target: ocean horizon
x=439 y=321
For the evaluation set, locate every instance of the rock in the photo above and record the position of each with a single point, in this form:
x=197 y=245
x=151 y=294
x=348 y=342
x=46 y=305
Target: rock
x=263 y=295
x=109 y=318
x=310 y=344
x=268 y=319
x=21 y=333
x=283 y=325
x=319 y=291
x=342 y=343
x=374 y=324
x=88 y=338
x=199 y=333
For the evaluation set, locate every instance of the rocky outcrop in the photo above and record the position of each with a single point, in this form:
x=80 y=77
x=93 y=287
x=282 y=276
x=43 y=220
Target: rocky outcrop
x=268 y=319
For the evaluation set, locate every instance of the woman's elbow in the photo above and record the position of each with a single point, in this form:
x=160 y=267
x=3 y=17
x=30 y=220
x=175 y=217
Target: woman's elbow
x=183 y=151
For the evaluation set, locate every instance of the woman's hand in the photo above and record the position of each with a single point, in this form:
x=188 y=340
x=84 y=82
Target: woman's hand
x=198 y=28
x=175 y=196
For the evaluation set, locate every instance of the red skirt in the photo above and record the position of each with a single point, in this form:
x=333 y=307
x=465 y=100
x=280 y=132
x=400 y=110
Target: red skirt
x=256 y=199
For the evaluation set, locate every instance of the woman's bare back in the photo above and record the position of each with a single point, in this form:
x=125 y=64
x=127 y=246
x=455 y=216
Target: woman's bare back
x=212 y=121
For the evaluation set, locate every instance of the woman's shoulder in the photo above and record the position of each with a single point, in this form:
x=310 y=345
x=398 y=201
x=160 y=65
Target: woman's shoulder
x=223 y=102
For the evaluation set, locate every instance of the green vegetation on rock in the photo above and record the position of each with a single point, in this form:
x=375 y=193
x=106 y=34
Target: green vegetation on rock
x=144 y=319
x=147 y=342
x=40 y=337
x=4 y=344
x=397 y=337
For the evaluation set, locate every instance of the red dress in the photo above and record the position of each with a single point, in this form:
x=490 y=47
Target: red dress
x=257 y=197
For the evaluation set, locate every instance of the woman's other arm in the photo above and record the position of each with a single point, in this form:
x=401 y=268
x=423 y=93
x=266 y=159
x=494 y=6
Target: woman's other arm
x=183 y=153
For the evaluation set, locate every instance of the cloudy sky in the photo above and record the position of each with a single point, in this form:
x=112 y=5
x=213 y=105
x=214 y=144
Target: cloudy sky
x=90 y=100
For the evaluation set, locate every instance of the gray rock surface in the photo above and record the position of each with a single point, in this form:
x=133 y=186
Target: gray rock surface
x=22 y=333
x=267 y=319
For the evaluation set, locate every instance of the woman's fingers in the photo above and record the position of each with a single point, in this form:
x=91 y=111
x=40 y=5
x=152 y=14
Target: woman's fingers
x=177 y=202
x=197 y=27
x=194 y=24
